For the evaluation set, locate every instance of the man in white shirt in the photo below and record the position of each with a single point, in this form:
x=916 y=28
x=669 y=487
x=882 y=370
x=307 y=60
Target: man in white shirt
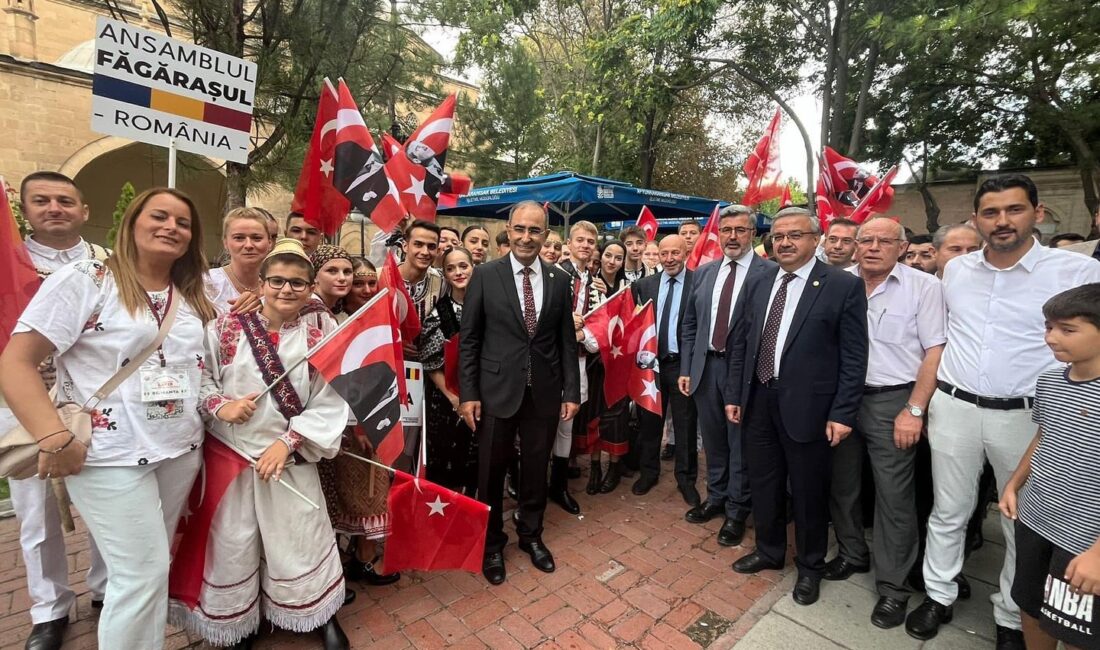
x=906 y=323
x=55 y=210
x=986 y=383
x=953 y=240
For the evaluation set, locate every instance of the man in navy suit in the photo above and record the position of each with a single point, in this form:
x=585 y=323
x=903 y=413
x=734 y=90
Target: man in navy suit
x=713 y=307
x=518 y=374
x=798 y=359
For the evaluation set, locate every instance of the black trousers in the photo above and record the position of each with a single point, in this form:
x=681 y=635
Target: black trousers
x=773 y=458
x=684 y=423
x=496 y=440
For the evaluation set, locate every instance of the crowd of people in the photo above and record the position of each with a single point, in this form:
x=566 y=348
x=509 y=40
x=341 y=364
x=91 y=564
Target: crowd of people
x=861 y=372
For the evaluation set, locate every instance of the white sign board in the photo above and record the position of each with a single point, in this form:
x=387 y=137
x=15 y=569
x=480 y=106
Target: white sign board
x=151 y=88
x=414 y=384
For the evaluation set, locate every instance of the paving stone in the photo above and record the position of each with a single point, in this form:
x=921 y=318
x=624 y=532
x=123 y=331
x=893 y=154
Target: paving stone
x=776 y=632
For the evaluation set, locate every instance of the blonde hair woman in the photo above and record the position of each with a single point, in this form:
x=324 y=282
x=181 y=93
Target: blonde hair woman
x=247 y=239
x=130 y=484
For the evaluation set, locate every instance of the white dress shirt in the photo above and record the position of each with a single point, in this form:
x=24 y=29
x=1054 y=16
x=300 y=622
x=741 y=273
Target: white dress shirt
x=536 y=282
x=48 y=259
x=719 y=280
x=995 y=325
x=905 y=316
x=794 y=294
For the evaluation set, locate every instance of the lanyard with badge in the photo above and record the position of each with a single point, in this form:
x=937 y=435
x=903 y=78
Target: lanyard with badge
x=162 y=382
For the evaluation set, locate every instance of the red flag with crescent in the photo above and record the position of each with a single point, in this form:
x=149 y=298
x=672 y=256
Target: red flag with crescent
x=706 y=247
x=648 y=223
x=419 y=173
x=641 y=344
x=607 y=323
x=763 y=167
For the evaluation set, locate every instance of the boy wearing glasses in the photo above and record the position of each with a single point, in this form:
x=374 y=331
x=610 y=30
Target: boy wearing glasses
x=268 y=552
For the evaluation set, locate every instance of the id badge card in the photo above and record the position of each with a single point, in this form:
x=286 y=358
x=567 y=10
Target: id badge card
x=165 y=384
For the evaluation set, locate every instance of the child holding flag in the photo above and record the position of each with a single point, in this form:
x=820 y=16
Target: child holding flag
x=265 y=550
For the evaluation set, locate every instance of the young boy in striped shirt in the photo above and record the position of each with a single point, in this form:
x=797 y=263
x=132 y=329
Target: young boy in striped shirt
x=1057 y=510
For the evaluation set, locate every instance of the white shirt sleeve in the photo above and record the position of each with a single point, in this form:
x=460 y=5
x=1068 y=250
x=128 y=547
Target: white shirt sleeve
x=65 y=303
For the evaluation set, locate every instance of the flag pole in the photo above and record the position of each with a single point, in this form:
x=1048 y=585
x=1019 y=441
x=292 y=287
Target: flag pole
x=369 y=461
x=593 y=310
x=324 y=339
x=252 y=462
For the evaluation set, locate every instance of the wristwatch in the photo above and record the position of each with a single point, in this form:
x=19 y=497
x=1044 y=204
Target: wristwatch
x=915 y=411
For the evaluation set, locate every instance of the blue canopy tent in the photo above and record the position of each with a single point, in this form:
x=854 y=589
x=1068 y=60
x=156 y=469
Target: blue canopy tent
x=573 y=197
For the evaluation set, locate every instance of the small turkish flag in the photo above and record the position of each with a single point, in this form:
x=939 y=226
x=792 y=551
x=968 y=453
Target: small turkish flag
x=648 y=223
x=433 y=528
x=315 y=196
x=706 y=247
x=404 y=309
x=878 y=199
x=763 y=168
x=418 y=172
x=641 y=344
x=607 y=323
x=785 y=201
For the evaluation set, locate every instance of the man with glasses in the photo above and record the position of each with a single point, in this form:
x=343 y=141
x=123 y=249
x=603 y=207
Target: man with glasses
x=712 y=308
x=840 y=242
x=798 y=359
x=518 y=374
x=906 y=323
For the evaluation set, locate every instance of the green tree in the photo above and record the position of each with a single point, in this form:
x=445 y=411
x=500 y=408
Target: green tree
x=124 y=199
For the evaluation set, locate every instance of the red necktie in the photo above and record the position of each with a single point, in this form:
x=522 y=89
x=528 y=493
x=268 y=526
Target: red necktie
x=722 y=320
x=765 y=362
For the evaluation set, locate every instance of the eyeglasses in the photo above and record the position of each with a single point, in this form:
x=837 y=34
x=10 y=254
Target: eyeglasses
x=296 y=285
x=794 y=236
x=739 y=231
x=534 y=231
x=881 y=241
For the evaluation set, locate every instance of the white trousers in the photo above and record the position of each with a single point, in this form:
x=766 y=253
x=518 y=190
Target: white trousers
x=962 y=436
x=43 y=545
x=563 y=441
x=132 y=512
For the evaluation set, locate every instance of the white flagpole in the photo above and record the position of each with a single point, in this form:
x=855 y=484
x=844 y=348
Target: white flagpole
x=324 y=340
x=171 y=162
x=252 y=462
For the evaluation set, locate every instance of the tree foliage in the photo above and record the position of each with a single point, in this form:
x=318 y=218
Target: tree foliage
x=125 y=198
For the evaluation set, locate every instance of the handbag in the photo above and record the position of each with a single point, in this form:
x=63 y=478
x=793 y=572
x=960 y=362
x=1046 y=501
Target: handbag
x=19 y=449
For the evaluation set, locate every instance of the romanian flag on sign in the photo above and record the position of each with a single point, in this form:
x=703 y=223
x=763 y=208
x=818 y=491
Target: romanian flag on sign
x=18 y=278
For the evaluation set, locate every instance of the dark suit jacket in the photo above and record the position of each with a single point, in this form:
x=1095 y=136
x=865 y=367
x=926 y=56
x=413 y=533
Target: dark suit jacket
x=494 y=347
x=695 y=328
x=824 y=359
x=648 y=288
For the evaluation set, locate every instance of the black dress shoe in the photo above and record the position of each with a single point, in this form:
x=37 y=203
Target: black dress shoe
x=704 y=512
x=48 y=635
x=611 y=479
x=807 y=590
x=566 y=501
x=669 y=452
x=643 y=485
x=732 y=533
x=595 y=478
x=754 y=563
x=1010 y=639
x=364 y=572
x=492 y=567
x=333 y=637
x=559 y=486
x=840 y=569
x=964 y=586
x=889 y=612
x=540 y=555
x=690 y=495
x=924 y=622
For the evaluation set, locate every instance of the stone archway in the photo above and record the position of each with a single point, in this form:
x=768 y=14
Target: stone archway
x=102 y=167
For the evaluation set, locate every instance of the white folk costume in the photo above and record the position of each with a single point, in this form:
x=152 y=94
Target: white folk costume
x=268 y=551
x=220 y=290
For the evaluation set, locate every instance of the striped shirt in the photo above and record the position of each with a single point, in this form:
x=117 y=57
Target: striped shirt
x=1061 y=500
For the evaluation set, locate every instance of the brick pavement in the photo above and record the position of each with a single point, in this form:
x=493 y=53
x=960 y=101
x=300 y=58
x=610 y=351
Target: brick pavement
x=631 y=574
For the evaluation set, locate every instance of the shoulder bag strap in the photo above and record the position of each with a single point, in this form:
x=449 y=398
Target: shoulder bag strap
x=135 y=362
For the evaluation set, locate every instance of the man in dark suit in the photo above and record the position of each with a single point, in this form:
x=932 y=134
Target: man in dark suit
x=713 y=308
x=518 y=373
x=669 y=292
x=798 y=358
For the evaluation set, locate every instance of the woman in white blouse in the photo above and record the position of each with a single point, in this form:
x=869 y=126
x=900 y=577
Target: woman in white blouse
x=131 y=483
x=247 y=240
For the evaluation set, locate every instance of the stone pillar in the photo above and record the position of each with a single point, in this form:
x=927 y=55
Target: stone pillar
x=19 y=17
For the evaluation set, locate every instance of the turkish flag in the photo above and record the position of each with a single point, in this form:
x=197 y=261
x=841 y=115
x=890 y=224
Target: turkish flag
x=648 y=223
x=433 y=528
x=220 y=467
x=607 y=323
x=878 y=199
x=824 y=197
x=315 y=197
x=404 y=309
x=362 y=361
x=848 y=183
x=641 y=344
x=359 y=172
x=390 y=146
x=706 y=247
x=785 y=201
x=763 y=167
x=419 y=173
x=18 y=278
